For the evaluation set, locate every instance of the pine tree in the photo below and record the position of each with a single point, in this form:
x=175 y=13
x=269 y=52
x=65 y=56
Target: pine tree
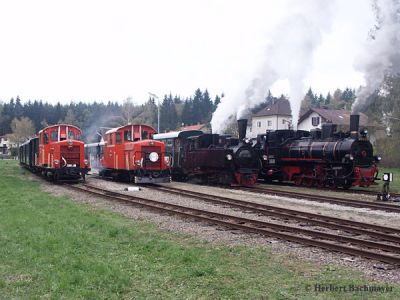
x=217 y=101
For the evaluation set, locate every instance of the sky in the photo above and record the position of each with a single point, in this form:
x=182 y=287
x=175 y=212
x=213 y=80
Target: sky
x=111 y=50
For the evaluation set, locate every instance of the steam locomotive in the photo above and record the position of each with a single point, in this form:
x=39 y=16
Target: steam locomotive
x=319 y=158
x=212 y=158
x=57 y=153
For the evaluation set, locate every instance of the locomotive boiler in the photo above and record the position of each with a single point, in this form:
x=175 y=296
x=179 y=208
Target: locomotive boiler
x=321 y=158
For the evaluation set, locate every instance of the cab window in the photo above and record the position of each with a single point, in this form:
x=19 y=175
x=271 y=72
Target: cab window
x=78 y=136
x=110 y=139
x=54 y=136
x=127 y=136
x=45 y=138
x=145 y=135
x=118 y=139
x=70 y=135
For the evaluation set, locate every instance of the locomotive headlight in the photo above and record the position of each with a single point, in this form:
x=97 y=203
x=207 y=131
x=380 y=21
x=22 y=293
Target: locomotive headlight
x=153 y=156
x=265 y=157
x=229 y=157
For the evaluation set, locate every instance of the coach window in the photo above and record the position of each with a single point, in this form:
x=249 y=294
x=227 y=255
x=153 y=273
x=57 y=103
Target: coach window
x=110 y=139
x=54 y=135
x=118 y=139
x=45 y=138
x=127 y=136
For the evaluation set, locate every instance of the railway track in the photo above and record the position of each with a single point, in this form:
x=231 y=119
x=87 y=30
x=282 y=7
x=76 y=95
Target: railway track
x=359 y=228
x=349 y=191
x=387 y=253
x=327 y=199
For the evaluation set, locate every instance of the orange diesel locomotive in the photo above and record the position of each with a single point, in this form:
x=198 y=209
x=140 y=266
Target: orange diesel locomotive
x=130 y=153
x=57 y=153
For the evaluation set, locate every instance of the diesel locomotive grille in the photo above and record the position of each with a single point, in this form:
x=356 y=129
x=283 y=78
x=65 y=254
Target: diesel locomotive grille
x=71 y=154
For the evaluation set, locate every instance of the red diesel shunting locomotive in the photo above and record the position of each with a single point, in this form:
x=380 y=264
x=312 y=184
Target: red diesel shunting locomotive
x=57 y=153
x=130 y=153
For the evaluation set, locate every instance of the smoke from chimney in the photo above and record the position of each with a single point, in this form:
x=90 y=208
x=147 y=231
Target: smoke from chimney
x=381 y=56
x=289 y=56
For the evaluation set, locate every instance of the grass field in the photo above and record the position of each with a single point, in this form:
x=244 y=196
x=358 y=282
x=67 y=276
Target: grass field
x=53 y=248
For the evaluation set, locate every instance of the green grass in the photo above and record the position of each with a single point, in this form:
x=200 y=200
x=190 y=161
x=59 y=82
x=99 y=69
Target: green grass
x=53 y=248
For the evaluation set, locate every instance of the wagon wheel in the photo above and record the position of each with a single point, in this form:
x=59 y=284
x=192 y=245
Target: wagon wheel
x=309 y=182
x=346 y=184
x=298 y=180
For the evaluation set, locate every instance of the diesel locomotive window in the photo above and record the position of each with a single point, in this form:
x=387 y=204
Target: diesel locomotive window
x=70 y=135
x=145 y=135
x=127 y=136
x=118 y=138
x=78 y=136
x=54 y=135
x=45 y=138
x=110 y=140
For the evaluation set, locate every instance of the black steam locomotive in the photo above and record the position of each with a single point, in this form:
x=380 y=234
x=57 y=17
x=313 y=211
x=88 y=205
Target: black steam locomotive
x=320 y=157
x=212 y=158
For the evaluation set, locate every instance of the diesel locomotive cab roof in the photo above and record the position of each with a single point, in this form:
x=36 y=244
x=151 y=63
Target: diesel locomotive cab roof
x=177 y=134
x=57 y=125
x=129 y=125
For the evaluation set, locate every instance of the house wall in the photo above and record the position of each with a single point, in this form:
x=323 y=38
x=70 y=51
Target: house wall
x=4 y=146
x=306 y=124
x=260 y=125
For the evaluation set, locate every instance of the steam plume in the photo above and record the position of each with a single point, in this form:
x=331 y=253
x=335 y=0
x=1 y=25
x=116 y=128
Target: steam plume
x=381 y=56
x=288 y=57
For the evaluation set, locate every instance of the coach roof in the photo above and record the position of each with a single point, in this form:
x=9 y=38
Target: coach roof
x=177 y=134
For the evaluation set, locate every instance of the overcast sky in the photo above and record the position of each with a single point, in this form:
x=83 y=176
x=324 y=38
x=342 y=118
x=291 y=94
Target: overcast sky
x=111 y=50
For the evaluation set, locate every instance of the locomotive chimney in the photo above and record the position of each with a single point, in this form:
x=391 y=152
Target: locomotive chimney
x=242 y=124
x=354 y=125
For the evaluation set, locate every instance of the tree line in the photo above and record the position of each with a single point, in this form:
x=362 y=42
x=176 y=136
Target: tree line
x=26 y=118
